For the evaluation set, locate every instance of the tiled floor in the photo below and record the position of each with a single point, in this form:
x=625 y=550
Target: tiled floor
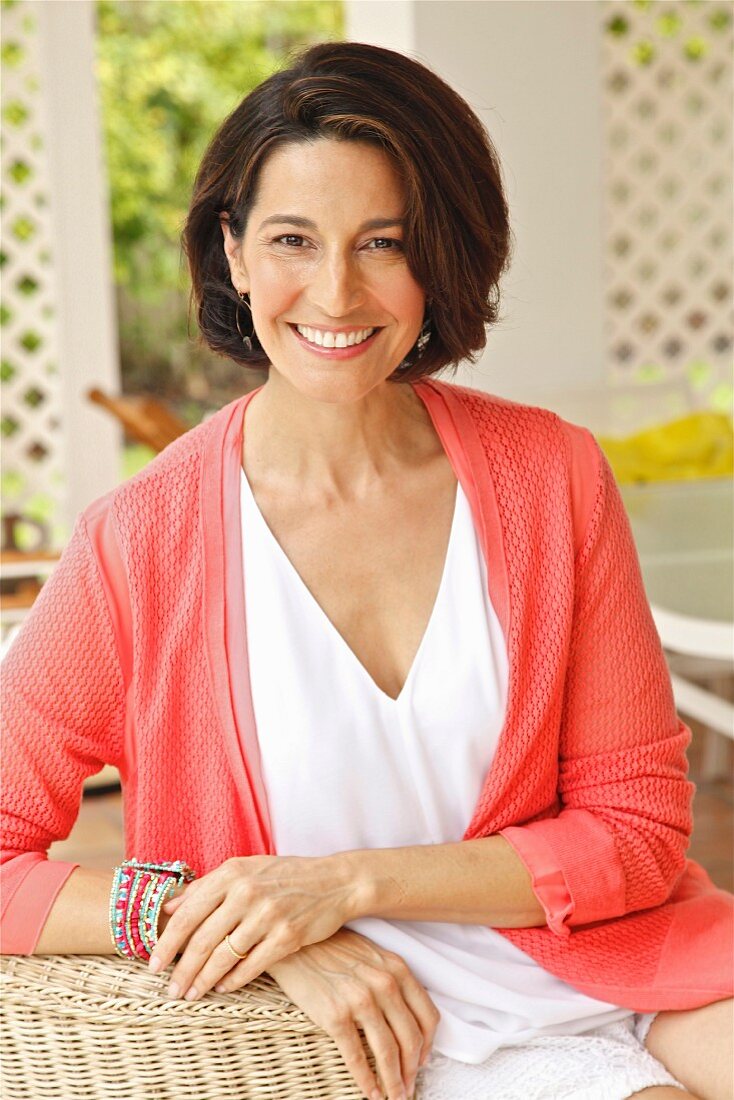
x=96 y=840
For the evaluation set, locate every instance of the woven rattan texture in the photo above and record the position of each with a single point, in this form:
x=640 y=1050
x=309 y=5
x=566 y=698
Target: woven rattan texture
x=100 y=1027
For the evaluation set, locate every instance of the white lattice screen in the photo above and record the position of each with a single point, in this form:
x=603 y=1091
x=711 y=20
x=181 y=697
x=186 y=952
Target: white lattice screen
x=666 y=101
x=33 y=479
x=667 y=108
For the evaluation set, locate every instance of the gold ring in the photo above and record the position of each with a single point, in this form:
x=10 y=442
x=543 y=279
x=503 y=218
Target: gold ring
x=229 y=945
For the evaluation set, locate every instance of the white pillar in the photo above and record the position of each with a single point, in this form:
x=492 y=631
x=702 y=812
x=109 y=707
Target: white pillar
x=388 y=23
x=82 y=255
x=531 y=71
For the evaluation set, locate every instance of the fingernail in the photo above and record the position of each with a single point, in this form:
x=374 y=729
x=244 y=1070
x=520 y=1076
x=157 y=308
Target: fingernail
x=376 y=1095
x=173 y=990
x=192 y=994
x=154 y=964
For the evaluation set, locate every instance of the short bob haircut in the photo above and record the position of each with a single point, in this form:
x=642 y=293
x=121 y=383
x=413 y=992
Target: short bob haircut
x=457 y=238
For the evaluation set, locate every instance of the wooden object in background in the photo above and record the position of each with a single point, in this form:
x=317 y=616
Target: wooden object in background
x=143 y=417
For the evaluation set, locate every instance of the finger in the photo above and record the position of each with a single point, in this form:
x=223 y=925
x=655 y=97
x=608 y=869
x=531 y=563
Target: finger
x=207 y=958
x=166 y=912
x=234 y=978
x=404 y=1027
x=347 y=1038
x=188 y=917
x=202 y=963
x=215 y=968
x=262 y=955
x=416 y=997
x=385 y=1048
x=172 y=904
x=424 y=1010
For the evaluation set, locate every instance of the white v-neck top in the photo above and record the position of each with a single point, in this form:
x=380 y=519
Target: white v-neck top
x=346 y=766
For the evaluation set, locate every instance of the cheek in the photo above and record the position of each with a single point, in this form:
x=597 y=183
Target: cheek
x=275 y=294
x=409 y=304
x=405 y=294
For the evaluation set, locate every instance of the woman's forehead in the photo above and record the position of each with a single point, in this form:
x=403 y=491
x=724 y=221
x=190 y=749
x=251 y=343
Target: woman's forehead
x=328 y=175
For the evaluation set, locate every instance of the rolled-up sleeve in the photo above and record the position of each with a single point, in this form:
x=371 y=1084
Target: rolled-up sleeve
x=619 y=842
x=63 y=719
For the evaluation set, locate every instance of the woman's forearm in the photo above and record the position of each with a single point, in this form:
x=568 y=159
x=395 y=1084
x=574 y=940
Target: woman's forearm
x=79 y=920
x=470 y=882
x=479 y=881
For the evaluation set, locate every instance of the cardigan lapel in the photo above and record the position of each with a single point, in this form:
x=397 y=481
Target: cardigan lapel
x=224 y=616
x=458 y=432
x=465 y=451
x=224 y=593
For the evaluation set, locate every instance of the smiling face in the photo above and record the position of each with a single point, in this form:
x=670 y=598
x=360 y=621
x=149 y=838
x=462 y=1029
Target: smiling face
x=323 y=249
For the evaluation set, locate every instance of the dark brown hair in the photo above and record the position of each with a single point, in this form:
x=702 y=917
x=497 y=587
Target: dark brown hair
x=457 y=236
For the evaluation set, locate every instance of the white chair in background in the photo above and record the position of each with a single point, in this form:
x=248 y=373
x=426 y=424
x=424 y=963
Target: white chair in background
x=684 y=533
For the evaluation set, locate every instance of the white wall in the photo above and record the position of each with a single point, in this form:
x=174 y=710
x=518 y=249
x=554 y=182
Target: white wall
x=531 y=72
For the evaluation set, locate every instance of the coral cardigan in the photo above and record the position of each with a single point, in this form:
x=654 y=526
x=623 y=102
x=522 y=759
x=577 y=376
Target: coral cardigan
x=135 y=654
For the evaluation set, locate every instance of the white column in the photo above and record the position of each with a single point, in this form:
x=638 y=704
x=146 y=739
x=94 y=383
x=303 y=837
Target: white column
x=388 y=23
x=531 y=71
x=87 y=327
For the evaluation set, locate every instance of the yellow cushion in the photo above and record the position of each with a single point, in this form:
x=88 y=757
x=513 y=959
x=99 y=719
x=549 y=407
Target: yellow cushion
x=696 y=446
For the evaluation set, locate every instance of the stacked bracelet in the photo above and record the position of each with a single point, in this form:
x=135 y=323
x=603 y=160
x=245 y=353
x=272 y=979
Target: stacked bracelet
x=138 y=892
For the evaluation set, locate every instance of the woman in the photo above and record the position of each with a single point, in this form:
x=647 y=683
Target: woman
x=372 y=651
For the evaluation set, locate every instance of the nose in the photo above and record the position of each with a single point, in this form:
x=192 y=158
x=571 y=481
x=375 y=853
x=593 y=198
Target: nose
x=336 y=288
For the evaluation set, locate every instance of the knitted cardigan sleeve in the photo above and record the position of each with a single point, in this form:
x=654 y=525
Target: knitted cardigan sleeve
x=619 y=842
x=63 y=720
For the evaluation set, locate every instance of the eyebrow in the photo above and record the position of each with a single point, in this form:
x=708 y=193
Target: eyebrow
x=305 y=223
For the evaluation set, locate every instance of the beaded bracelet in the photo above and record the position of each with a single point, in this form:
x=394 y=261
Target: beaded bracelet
x=138 y=892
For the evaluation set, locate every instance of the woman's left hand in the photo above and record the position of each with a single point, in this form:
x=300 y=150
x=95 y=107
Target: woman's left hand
x=270 y=906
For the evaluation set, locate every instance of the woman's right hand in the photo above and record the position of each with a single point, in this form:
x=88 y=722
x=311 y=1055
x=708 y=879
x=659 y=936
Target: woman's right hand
x=347 y=980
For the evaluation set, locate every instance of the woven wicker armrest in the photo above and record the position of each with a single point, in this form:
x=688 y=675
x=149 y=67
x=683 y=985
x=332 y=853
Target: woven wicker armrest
x=98 y=1026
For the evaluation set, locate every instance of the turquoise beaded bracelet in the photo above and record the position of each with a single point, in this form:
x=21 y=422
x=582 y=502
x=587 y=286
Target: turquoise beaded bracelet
x=138 y=892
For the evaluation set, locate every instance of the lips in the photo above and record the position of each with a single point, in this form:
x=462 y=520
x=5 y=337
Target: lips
x=335 y=338
x=335 y=353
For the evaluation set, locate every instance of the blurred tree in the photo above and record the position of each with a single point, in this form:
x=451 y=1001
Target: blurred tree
x=169 y=71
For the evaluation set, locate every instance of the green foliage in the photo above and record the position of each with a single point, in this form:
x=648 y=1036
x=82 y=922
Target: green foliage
x=168 y=74
x=667 y=23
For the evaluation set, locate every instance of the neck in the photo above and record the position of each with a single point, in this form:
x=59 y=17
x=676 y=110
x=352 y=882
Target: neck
x=342 y=450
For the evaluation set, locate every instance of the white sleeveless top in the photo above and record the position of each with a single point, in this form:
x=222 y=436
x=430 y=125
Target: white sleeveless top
x=345 y=766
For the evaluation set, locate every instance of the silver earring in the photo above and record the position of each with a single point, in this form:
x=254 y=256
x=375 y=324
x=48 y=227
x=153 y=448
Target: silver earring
x=419 y=346
x=246 y=340
x=425 y=335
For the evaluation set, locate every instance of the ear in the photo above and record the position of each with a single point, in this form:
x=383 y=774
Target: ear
x=233 y=252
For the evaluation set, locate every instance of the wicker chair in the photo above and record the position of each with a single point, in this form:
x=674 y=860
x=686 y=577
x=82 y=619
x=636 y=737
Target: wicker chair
x=98 y=1026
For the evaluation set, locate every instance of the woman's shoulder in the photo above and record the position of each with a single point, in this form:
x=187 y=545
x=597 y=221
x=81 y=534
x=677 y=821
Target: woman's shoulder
x=169 y=479
x=495 y=416
x=534 y=453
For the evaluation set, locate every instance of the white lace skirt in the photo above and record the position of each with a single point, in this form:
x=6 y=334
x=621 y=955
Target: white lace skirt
x=606 y=1063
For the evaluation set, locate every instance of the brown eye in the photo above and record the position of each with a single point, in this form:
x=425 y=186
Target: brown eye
x=386 y=240
x=287 y=237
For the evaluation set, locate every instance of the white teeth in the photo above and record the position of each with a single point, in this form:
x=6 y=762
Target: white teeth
x=334 y=339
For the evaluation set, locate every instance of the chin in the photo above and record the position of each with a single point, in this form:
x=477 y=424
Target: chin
x=333 y=384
